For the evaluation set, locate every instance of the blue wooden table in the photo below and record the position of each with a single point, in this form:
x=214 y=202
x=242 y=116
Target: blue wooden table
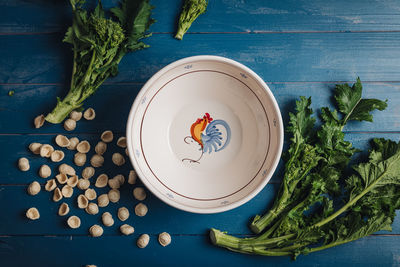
x=300 y=47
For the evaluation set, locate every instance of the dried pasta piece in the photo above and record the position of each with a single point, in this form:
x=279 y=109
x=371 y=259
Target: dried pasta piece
x=75 y=115
x=50 y=185
x=118 y=159
x=83 y=147
x=83 y=184
x=23 y=164
x=67 y=191
x=88 y=172
x=38 y=121
x=123 y=214
x=73 y=142
x=63 y=209
x=62 y=141
x=57 y=156
x=114 y=195
x=97 y=160
x=120 y=178
x=107 y=136
x=100 y=148
x=83 y=202
x=121 y=142
x=35 y=148
x=79 y=159
x=74 y=222
x=139 y=193
x=114 y=183
x=89 y=114
x=107 y=219
x=32 y=214
x=96 y=230
x=34 y=188
x=90 y=194
x=103 y=201
x=62 y=178
x=90 y=265
x=46 y=150
x=143 y=241
x=44 y=171
x=73 y=180
x=164 y=239
x=92 y=208
x=101 y=181
x=141 y=210
x=127 y=152
x=66 y=169
x=132 y=177
x=126 y=229
x=69 y=125
x=57 y=196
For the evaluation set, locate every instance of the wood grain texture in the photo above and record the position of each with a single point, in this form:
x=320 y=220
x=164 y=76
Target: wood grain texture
x=223 y=16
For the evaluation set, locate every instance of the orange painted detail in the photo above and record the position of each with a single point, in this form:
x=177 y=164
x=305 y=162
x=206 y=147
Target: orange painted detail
x=198 y=127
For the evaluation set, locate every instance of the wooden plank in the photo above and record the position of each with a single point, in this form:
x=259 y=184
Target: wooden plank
x=184 y=250
x=16 y=115
x=275 y=57
x=223 y=16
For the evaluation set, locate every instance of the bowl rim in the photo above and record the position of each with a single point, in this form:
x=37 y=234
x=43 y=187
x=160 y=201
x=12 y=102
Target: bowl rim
x=136 y=103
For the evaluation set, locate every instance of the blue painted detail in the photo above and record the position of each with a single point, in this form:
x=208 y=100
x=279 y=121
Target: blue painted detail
x=243 y=75
x=137 y=153
x=213 y=140
x=188 y=66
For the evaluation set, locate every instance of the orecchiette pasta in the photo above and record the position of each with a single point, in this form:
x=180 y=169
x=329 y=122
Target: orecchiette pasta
x=107 y=219
x=73 y=181
x=126 y=229
x=123 y=214
x=66 y=169
x=141 y=210
x=79 y=159
x=143 y=241
x=23 y=164
x=139 y=193
x=96 y=230
x=121 y=142
x=57 y=196
x=90 y=194
x=100 y=148
x=88 y=172
x=114 y=195
x=62 y=178
x=44 y=171
x=67 y=191
x=118 y=159
x=63 y=209
x=101 y=181
x=103 y=201
x=69 y=125
x=73 y=142
x=120 y=178
x=32 y=214
x=132 y=177
x=107 y=136
x=62 y=141
x=46 y=150
x=34 y=188
x=127 y=152
x=83 y=202
x=35 y=148
x=57 y=156
x=92 y=208
x=74 y=222
x=89 y=114
x=83 y=147
x=75 y=115
x=50 y=185
x=113 y=183
x=83 y=184
x=97 y=160
x=38 y=121
x=164 y=239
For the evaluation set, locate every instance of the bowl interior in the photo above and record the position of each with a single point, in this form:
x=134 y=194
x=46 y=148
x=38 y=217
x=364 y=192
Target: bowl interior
x=205 y=134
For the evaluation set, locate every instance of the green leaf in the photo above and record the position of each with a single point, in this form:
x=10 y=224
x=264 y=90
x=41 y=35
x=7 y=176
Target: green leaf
x=191 y=9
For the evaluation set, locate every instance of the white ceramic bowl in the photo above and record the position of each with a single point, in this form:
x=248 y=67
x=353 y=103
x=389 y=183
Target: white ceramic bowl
x=205 y=134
